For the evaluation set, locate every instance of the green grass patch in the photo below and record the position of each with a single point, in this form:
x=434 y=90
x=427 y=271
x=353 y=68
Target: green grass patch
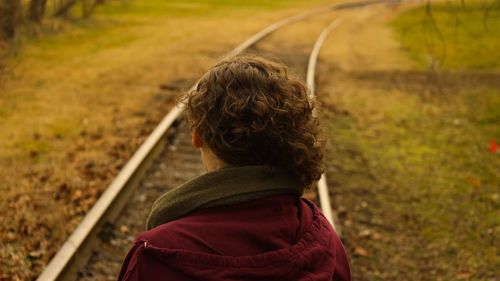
x=428 y=176
x=35 y=149
x=189 y=7
x=452 y=35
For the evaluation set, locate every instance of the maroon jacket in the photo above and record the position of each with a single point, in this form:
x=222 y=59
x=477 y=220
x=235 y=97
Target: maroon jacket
x=275 y=238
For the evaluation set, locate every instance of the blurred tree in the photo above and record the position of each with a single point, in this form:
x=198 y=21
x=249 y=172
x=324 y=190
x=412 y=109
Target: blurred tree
x=88 y=7
x=9 y=17
x=64 y=7
x=36 y=10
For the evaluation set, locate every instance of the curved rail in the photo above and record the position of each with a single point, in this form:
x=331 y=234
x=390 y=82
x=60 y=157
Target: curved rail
x=324 y=197
x=75 y=251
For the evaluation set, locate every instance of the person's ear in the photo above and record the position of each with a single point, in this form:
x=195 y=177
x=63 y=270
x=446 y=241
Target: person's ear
x=196 y=139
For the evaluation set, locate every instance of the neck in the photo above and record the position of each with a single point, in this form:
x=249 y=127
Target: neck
x=210 y=161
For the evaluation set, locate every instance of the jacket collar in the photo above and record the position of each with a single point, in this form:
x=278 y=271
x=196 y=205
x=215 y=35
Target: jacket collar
x=223 y=187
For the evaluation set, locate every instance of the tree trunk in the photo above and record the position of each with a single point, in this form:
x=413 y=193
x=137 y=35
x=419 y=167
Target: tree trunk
x=64 y=8
x=36 y=10
x=88 y=7
x=9 y=18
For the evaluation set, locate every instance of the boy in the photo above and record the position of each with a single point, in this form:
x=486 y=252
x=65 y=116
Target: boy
x=244 y=219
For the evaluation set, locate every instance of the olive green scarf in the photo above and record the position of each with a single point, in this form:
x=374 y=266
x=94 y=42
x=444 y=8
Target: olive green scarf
x=222 y=187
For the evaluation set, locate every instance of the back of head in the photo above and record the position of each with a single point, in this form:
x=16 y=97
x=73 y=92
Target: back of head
x=250 y=111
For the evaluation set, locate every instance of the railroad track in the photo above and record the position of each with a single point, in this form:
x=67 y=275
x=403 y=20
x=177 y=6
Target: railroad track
x=165 y=160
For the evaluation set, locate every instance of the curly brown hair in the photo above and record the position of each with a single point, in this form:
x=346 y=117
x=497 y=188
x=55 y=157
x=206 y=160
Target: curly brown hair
x=250 y=111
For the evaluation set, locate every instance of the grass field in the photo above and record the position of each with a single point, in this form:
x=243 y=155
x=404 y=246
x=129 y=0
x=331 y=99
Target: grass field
x=429 y=183
x=75 y=52
x=413 y=174
x=456 y=35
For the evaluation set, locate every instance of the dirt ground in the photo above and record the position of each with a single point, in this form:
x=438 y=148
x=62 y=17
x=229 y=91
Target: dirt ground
x=412 y=179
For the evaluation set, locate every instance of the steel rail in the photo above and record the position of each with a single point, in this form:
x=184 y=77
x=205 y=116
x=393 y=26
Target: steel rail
x=77 y=248
x=323 y=194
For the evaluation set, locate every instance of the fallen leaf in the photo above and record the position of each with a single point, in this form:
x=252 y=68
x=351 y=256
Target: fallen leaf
x=35 y=254
x=77 y=195
x=359 y=251
x=10 y=237
x=463 y=275
x=124 y=229
x=365 y=233
x=376 y=236
x=474 y=181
